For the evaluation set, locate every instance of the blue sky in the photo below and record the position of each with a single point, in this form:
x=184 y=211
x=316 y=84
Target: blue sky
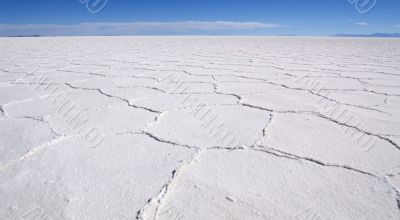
x=243 y=17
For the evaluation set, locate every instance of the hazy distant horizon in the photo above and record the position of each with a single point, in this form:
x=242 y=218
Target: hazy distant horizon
x=373 y=35
x=222 y=17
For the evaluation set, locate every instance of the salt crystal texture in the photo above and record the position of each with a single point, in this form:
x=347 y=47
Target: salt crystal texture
x=199 y=128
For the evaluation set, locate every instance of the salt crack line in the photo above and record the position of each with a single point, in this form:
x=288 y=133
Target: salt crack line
x=264 y=131
x=381 y=137
x=158 y=139
x=276 y=111
x=394 y=190
x=391 y=142
x=113 y=96
x=34 y=151
x=287 y=155
x=152 y=208
x=41 y=120
x=83 y=73
x=3 y=114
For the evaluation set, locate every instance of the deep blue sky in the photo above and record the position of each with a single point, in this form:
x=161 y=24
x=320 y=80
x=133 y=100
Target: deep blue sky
x=300 y=17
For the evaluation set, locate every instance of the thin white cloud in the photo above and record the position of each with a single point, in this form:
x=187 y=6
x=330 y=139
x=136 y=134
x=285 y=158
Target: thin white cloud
x=112 y=28
x=362 y=23
x=397 y=25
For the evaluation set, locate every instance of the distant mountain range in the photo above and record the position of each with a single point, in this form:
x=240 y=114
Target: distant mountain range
x=35 y=35
x=369 y=35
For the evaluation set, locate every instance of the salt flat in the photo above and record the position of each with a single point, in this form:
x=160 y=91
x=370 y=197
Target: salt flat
x=199 y=128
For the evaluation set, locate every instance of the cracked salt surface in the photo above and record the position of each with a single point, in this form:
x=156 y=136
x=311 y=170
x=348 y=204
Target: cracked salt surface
x=200 y=128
